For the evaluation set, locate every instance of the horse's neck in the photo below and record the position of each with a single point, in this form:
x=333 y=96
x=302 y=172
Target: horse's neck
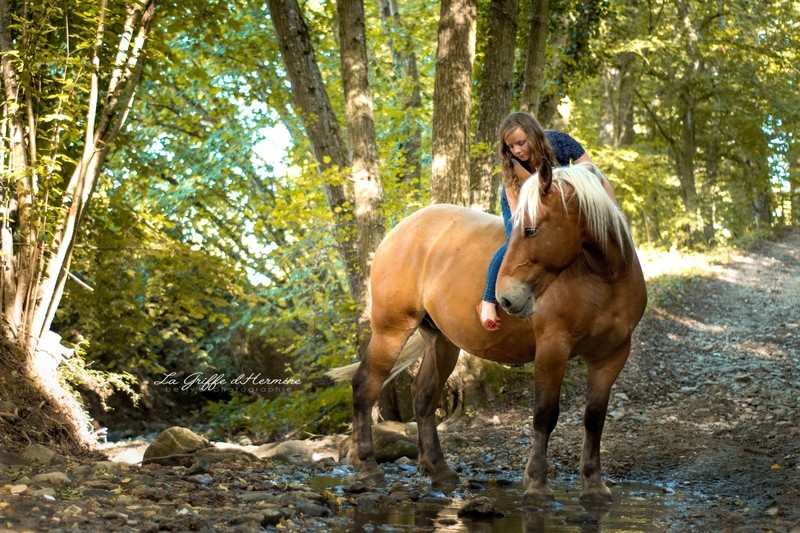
x=609 y=264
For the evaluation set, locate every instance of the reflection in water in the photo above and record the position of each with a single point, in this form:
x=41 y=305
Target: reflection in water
x=636 y=507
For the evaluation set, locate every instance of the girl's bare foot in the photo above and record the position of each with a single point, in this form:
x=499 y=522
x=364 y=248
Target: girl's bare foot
x=487 y=313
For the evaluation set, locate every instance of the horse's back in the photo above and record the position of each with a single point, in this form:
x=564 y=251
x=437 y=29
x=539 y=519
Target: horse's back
x=435 y=233
x=434 y=263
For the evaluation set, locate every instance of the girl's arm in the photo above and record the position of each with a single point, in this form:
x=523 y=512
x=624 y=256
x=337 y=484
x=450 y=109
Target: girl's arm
x=606 y=184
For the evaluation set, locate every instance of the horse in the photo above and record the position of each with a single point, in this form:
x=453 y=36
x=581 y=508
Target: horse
x=570 y=285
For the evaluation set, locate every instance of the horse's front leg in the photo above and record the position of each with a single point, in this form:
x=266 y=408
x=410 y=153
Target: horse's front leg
x=437 y=365
x=601 y=377
x=549 y=367
x=375 y=366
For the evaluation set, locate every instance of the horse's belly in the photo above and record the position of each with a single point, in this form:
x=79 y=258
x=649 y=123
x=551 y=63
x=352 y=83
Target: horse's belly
x=513 y=346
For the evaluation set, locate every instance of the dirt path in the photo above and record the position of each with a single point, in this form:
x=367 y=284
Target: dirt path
x=716 y=381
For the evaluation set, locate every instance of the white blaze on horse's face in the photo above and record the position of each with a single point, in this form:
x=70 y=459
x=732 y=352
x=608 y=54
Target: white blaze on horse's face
x=538 y=251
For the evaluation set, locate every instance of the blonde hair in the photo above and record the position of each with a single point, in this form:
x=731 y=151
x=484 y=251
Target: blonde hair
x=598 y=210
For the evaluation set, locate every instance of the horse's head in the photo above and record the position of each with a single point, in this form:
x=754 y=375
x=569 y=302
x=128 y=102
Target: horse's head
x=564 y=214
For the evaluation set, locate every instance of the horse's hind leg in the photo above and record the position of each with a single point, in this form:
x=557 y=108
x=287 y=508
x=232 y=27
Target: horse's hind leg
x=437 y=365
x=601 y=377
x=375 y=367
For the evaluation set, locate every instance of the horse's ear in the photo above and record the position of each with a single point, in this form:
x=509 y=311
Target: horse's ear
x=520 y=171
x=545 y=176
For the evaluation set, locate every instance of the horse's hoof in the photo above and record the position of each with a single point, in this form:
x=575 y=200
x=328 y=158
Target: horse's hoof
x=371 y=477
x=542 y=495
x=597 y=495
x=446 y=478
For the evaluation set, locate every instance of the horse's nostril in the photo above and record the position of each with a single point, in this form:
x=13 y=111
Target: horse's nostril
x=505 y=302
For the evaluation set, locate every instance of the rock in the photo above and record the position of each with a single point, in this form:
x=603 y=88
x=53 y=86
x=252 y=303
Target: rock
x=174 y=447
x=271 y=517
x=201 y=466
x=479 y=507
x=258 y=519
x=51 y=478
x=257 y=496
x=582 y=518
x=286 y=451
x=48 y=493
x=309 y=508
x=201 y=479
x=437 y=498
x=17 y=489
x=218 y=455
x=356 y=488
x=391 y=441
x=148 y=493
x=104 y=468
x=42 y=455
x=370 y=499
x=400 y=496
x=13 y=459
x=100 y=494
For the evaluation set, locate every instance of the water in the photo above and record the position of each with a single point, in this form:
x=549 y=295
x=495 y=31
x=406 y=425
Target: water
x=636 y=506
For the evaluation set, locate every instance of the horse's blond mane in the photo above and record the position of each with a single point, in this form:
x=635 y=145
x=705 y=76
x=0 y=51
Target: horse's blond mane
x=598 y=210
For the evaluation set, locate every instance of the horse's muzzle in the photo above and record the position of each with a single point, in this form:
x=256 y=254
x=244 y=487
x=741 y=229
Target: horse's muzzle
x=516 y=298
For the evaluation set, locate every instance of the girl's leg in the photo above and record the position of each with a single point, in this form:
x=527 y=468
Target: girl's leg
x=487 y=308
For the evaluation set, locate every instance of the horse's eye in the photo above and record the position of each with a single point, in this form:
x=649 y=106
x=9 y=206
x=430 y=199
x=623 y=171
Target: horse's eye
x=529 y=232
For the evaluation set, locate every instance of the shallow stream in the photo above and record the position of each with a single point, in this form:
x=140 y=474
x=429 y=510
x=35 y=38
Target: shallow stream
x=636 y=506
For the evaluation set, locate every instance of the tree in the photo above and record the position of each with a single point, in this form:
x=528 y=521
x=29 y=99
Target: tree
x=407 y=74
x=494 y=101
x=54 y=151
x=452 y=101
x=574 y=58
x=312 y=104
x=535 y=55
x=367 y=189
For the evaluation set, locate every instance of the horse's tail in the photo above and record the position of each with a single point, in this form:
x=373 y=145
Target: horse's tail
x=412 y=351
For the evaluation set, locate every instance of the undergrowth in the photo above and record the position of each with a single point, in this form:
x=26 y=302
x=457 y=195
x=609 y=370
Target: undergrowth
x=296 y=414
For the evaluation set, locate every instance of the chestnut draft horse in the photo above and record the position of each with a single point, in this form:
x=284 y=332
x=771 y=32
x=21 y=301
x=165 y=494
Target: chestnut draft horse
x=571 y=285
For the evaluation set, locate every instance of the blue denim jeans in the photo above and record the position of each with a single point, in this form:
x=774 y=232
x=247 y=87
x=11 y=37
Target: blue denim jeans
x=497 y=259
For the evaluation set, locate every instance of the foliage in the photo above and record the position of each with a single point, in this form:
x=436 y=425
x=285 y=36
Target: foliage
x=710 y=80
x=303 y=412
x=76 y=372
x=209 y=244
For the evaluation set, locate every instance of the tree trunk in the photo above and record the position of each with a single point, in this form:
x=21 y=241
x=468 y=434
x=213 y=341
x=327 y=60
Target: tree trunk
x=709 y=187
x=312 y=105
x=405 y=64
x=496 y=86
x=37 y=249
x=794 y=201
x=452 y=101
x=684 y=163
x=580 y=29
x=619 y=87
x=368 y=193
x=762 y=198
x=535 y=56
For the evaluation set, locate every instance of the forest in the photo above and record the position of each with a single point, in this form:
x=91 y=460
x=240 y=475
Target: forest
x=195 y=189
